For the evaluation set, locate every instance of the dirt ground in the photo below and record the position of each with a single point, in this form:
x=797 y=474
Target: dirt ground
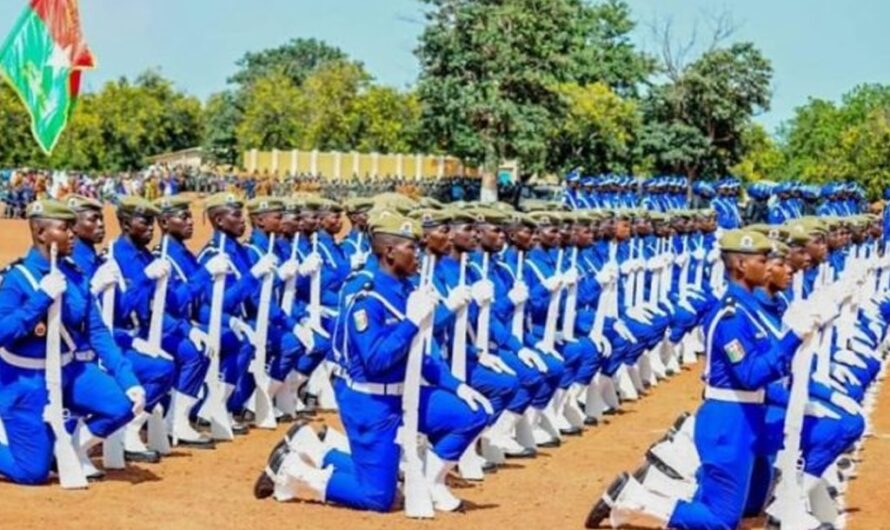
x=194 y=489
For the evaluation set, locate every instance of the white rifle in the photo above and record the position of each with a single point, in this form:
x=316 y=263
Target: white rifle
x=315 y=290
x=290 y=286
x=484 y=319
x=263 y=409
x=71 y=475
x=791 y=500
x=214 y=408
x=418 y=499
x=320 y=381
x=548 y=342
x=571 y=311
x=519 y=310
x=157 y=430
x=113 y=446
x=459 y=340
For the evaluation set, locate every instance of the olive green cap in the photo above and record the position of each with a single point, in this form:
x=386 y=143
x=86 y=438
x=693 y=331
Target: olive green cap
x=462 y=216
x=490 y=216
x=515 y=219
x=132 y=205
x=393 y=223
x=329 y=206
x=774 y=232
x=225 y=198
x=502 y=206
x=358 y=204
x=542 y=219
x=259 y=205
x=745 y=242
x=798 y=234
x=79 y=203
x=779 y=250
x=50 y=209
x=431 y=217
x=431 y=203
x=173 y=204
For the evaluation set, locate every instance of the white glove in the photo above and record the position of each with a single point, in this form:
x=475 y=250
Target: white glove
x=142 y=346
x=800 y=319
x=217 y=265
x=541 y=347
x=531 y=359
x=458 y=298
x=604 y=276
x=357 y=260
x=518 y=295
x=137 y=397
x=714 y=255
x=158 y=268
x=570 y=277
x=698 y=254
x=303 y=331
x=54 y=284
x=845 y=402
x=602 y=344
x=624 y=331
x=263 y=267
x=495 y=363
x=482 y=291
x=653 y=263
x=681 y=259
x=474 y=399
x=310 y=265
x=288 y=270
x=552 y=283
x=420 y=306
x=200 y=339
x=627 y=267
x=241 y=329
x=107 y=275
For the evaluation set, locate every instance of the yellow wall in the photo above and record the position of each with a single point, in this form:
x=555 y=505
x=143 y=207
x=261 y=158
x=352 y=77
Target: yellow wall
x=387 y=164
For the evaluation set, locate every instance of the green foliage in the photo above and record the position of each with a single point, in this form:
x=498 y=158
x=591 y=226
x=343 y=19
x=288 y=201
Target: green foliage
x=763 y=158
x=272 y=106
x=490 y=72
x=598 y=132
x=825 y=141
x=710 y=105
x=295 y=60
x=328 y=105
x=388 y=121
x=222 y=114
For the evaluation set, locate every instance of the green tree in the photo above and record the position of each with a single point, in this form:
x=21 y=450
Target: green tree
x=327 y=105
x=763 y=159
x=598 y=131
x=487 y=69
x=295 y=60
x=387 y=120
x=272 y=114
x=222 y=114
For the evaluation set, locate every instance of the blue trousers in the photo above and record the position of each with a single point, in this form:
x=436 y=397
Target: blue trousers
x=531 y=383
x=282 y=352
x=590 y=359
x=27 y=456
x=499 y=388
x=367 y=478
x=727 y=436
x=156 y=375
x=191 y=365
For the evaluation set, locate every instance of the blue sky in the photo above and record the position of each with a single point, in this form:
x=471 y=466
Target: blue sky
x=819 y=48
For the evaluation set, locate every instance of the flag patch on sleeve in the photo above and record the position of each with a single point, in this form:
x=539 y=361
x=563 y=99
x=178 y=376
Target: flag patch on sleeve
x=735 y=351
x=360 y=319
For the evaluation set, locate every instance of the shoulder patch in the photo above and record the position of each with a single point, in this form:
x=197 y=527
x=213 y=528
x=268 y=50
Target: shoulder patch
x=360 y=319
x=735 y=351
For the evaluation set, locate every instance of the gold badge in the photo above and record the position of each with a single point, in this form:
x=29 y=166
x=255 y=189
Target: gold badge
x=360 y=319
x=40 y=329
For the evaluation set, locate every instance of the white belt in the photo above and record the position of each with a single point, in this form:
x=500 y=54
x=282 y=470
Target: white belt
x=376 y=389
x=755 y=397
x=30 y=363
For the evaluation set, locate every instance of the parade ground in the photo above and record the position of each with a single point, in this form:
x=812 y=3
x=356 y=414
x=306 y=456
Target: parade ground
x=194 y=489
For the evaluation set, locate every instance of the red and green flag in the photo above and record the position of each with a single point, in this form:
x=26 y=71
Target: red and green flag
x=42 y=59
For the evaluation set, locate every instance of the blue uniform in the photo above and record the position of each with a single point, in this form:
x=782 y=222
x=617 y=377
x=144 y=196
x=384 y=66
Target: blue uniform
x=131 y=321
x=375 y=338
x=729 y=428
x=89 y=392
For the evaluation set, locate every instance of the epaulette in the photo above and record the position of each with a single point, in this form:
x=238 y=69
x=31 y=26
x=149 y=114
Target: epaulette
x=368 y=286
